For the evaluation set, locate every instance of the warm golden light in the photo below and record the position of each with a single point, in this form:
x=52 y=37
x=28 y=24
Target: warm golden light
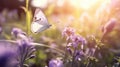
x=85 y=4
x=60 y=3
x=39 y=3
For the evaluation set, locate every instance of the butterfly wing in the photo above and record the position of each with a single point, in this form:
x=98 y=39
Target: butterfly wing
x=40 y=16
x=40 y=22
x=35 y=27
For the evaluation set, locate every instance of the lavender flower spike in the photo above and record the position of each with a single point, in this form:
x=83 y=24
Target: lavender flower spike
x=25 y=51
x=18 y=33
x=67 y=32
x=76 y=40
x=8 y=55
x=56 y=63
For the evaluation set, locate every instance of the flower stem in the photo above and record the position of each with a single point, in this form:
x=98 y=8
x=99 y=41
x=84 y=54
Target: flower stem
x=35 y=44
x=73 y=58
x=28 y=17
x=65 y=54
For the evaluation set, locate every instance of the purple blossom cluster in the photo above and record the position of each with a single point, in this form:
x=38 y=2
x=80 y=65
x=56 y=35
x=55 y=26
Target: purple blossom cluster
x=8 y=55
x=75 y=44
x=74 y=39
x=16 y=32
x=56 y=63
x=16 y=55
x=25 y=50
x=68 y=32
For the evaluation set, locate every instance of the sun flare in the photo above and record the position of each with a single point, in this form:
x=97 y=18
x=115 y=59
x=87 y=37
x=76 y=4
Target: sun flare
x=39 y=3
x=84 y=4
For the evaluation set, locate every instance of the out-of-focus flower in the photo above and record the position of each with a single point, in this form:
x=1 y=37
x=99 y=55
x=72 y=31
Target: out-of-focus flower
x=108 y=27
x=7 y=59
x=79 y=54
x=16 y=55
x=56 y=63
x=18 y=33
x=67 y=32
x=25 y=51
x=76 y=40
x=8 y=55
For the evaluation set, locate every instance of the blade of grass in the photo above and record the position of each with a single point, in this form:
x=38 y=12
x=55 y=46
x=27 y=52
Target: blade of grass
x=35 y=44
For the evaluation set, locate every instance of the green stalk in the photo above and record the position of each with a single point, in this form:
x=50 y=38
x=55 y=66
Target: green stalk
x=28 y=17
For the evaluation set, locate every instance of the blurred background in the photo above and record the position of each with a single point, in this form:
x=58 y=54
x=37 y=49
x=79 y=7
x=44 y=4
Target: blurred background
x=86 y=16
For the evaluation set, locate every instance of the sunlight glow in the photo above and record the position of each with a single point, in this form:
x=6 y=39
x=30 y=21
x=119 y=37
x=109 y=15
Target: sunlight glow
x=85 y=4
x=39 y=3
x=60 y=3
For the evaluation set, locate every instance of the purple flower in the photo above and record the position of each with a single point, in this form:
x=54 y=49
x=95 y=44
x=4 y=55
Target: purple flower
x=56 y=63
x=109 y=25
x=79 y=54
x=8 y=55
x=18 y=32
x=67 y=32
x=76 y=40
x=25 y=51
x=16 y=55
x=7 y=59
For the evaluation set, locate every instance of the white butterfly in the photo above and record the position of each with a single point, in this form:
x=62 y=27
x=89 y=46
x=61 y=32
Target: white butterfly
x=40 y=22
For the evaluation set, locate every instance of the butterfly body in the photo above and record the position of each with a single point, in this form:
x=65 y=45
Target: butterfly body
x=40 y=22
